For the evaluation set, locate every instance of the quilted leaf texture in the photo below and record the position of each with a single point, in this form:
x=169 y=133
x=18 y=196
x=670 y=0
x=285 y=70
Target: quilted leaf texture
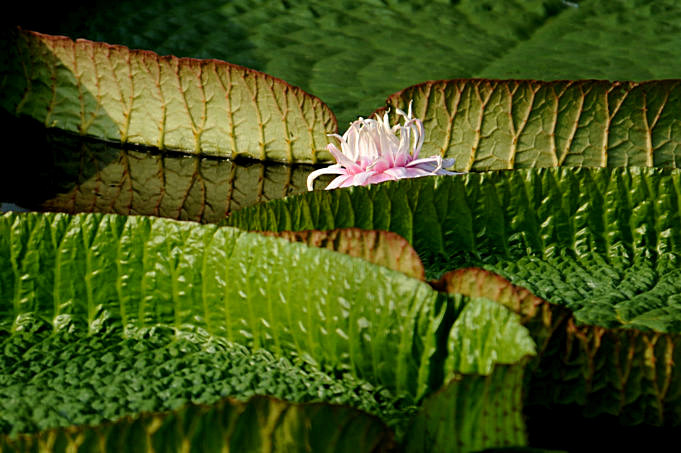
x=259 y=291
x=602 y=243
x=332 y=312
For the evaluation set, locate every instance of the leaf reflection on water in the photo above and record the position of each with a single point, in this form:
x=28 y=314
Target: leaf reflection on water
x=79 y=175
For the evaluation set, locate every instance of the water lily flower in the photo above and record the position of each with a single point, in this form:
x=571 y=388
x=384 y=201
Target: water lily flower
x=372 y=152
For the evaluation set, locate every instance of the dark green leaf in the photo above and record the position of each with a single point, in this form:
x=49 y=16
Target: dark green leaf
x=604 y=244
x=486 y=411
x=260 y=424
x=58 y=378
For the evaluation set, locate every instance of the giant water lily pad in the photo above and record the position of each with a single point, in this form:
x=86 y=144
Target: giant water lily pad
x=153 y=311
x=603 y=244
x=353 y=54
x=206 y=107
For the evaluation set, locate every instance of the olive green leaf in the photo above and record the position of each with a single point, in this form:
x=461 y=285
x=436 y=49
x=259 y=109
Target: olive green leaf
x=353 y=54
x=506 y=124
x=206 y=107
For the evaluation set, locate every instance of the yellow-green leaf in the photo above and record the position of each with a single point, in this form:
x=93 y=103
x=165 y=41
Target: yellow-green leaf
x=206 y=107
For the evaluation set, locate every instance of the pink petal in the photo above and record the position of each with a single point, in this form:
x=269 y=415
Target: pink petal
x=338 y=182
x=380 y=177
x=343 y=160
x=382 y=164
x=331 y=170
x=359 y=179
x=406 y=172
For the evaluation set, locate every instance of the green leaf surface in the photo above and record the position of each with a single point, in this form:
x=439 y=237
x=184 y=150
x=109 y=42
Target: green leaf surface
x=58 y=378
x=379 y=247
x=602 y=243
x=623 y=372
x=353 y=54
x=330 y=309
x=261 y=424
x=205 y=107
x=506 y=124
x=486 y=328
x=92 y=176
x=107 y=278
x=541 y=317
x=486 y=410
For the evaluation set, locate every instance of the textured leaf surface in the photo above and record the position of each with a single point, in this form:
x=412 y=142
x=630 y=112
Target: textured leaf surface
x=329 y=309
x=486 y=409
x=205 y=107
x=622 y=372
x=260 y=424
x=604 y=243
x=379 y=247
x=539 y=315
x=92 y=176
x=353 y=54
x=502 y=341
x=57 y=378
x=504 y=124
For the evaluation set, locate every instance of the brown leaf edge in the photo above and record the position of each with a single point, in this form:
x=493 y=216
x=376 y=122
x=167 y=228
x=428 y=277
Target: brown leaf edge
x=172 y=61
x=573 y=359
x=384 y=248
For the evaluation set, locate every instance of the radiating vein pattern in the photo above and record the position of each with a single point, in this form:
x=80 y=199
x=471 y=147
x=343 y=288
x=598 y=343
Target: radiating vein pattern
x=205 y=107
x=505 y=124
